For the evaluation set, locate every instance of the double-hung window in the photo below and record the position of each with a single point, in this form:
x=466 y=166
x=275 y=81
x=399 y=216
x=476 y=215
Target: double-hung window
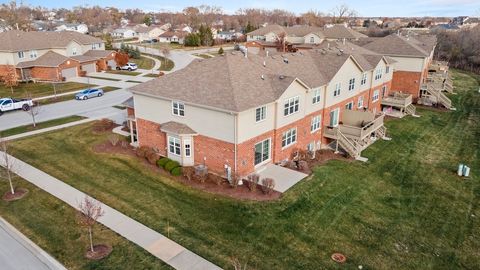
x=316 y=96
x=315 y=124
x=376 y=95
x=349 y=106
x=378 y=74
x=289 y=137
x=21 y=55
x=260 y=113
x=291 y=106
x=262 y=151
x=178 y=108
x=312 y=39
x=338 y=88
x=33 y=54
x=188 y=148
x=351 y=84
x=360 y=102
x=174 y=146
x=364 y=79
x=387 y=69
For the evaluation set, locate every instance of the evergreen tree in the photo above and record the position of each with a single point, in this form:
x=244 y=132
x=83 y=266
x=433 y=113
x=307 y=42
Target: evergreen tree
x=249 y=28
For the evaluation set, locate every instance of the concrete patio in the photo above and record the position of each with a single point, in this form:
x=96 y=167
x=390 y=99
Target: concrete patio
x=284 y=178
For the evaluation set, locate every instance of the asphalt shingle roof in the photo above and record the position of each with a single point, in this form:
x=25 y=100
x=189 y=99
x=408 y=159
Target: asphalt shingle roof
x=49 y=59
x=420 y=46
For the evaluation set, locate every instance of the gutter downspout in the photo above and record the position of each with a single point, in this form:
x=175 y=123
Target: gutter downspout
x=322 y=131
x=235 y=130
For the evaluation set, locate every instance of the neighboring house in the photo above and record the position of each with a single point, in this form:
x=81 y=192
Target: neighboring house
x=240 y=112
x=76 y=27
x=147 y=33
x=444 y=27
x=124 y=33
x=52 y=56
x=173 y=37
x=413 y=54
x=184 y=28
x=228 y=35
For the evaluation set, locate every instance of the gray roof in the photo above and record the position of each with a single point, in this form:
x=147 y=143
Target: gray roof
x=49 y=59
x=98 y=53
x=340 y=31
x=395 y=45
x=334 y=32
x=129 y=103
x=235 y=83
x=16 y=40
x=84 y=58
x=176 y=128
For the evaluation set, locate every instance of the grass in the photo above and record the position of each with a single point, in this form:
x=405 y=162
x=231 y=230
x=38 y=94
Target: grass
x=404 y=209
x=104 y=78
x=150 y=75
x=204 y=56
x=132 y=81
x=143 y=62
x=40 y=89
x=166 y=64
x=71 y=97
x=124 y=72
x=46 y=124
x=109 y=88
x=51 y=224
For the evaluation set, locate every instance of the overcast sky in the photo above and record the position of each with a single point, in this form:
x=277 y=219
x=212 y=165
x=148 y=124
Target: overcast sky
x=386 y=8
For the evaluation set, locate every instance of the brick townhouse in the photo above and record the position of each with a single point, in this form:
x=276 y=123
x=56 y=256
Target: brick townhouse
x=243 y=111
x=52 y=56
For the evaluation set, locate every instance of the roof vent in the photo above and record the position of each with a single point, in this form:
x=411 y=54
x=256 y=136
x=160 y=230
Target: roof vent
x=339 y=53
x=264 y=63
x=324 y=52
x=285 y=60
x=281 y=77
x=263 y=77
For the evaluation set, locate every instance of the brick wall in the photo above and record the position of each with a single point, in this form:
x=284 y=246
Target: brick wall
x=407 y=82
x=217 y=153
x=149 y=134
x=246 y=153
x=45 y=73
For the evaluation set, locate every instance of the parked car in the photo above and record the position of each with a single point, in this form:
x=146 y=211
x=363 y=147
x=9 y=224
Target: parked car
x=129 y=66
x=10 y=104
x=89 y=93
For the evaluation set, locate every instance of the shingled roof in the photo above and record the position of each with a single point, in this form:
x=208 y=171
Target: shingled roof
x=49 y=59
x=395 y=45
x=16 y=40
x=334 y=32
x=340 y=31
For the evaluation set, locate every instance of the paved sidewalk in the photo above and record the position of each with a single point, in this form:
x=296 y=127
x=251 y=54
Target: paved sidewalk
x=17 y=252
x=158 y=245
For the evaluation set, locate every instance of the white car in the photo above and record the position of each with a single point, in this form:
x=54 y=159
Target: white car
x=129 y=67
x=10 y=104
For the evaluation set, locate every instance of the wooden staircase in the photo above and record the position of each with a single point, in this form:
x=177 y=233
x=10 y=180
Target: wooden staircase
x=410 y=109
x=440 y=97
x=354 y=147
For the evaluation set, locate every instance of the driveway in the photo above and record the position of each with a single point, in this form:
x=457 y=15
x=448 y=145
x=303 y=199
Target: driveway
x=64 y=109
x=17 y=252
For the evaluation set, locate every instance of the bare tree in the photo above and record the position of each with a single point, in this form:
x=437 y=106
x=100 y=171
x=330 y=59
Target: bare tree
x=90 y=211
x=165 y=50
x=8 y=163
x=342 y=12
x=237 y=265
x=10 y=79
x=34 y=110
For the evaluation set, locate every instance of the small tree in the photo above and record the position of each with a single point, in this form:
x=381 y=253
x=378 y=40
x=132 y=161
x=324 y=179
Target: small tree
x=33 y=111
x=10 y=79
x=220 y=51
x=166 y=53
x=89 y=212
x=121 y=58
x=8 y=163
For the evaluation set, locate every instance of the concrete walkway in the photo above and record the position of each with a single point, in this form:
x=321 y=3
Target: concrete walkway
x=284 y=178
x=17 y=252
x=155 y=243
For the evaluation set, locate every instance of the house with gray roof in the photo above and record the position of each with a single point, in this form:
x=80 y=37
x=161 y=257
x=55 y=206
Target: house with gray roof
x=240 y=112
x=52 y=56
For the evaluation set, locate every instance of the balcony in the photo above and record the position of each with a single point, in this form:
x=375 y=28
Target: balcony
x=399 y=100
x=439 y=66
x=356 y=125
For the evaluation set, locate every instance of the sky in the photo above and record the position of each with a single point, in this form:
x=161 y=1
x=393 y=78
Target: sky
x=367 y=8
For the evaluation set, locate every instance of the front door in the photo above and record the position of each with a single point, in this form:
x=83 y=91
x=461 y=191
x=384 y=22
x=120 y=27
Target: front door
x=334 y=117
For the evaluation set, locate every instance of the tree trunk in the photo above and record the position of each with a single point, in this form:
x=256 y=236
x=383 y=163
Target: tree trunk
x=11 y=88
x=10 y=181
x=91 y=238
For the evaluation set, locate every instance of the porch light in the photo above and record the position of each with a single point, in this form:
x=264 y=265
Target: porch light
x=68 y=62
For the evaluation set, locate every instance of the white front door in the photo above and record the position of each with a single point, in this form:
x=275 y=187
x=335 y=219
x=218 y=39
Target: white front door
x=188 y=152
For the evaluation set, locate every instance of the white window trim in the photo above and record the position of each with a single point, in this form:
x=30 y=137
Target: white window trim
x=21 y=53
x=179 y=141
x=288 y=101
x=364 y=79
x=376 y=94
x=338 y=118
x=358 y=102
x=264 y=113
x=351 y=86
x=293 y=142
x=319 y=124
x=349 y=103
x=269 y=152
x=185 y=143
x=316 y=96
x=173 y=109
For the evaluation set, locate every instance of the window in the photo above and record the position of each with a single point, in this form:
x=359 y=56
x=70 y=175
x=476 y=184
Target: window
x=33 y=54
x=349 y=106
x=360 y=102
x=376 y=95
x=315 y=125
x=188 y=148
x=291 y=106
x=174 y=146
x=364 y=79
x=316 y=96
x=311 y=146
x=312 y=39
x=338 y=87
x=351 y=84
x=21 y=55
x=260 y=113
x=262 y=151
x=378 y=74
x=74 y=51
x=178 y=108
x=387 y=69
x=289 y=137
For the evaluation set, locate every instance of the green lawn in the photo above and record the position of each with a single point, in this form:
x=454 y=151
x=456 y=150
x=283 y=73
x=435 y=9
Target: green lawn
x=151 y=75
x=403 y=209
x=104 y=78
x=46 y=124
x=52 y=225
x=143 y=62
x=124 y=72
x=40 y=89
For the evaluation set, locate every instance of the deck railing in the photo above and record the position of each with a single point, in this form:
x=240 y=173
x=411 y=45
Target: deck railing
x=398 y=100
x=357 y=132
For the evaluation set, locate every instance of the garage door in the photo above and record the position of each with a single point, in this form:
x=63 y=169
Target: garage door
x=89 y=68
x=69 y=73
x=112 y=64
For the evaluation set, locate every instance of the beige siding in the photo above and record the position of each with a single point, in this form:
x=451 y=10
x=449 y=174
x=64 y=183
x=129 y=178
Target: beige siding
x=309 y=106
x=270 y=37
x=316 y=39
x=294 y=90
x=247 y=126
x=7 y=58
x=348 y=71
x=210 y=123
x=385 y=76
x=295 y=40
x=408 y=64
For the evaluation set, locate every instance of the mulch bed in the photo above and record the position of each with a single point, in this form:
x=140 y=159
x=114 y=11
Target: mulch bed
x=99 y=252
x=19 y=193
x=339 y=257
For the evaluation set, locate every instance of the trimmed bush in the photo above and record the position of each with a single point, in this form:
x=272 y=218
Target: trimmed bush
x=176 y=171
x=142 y=151
x=151 y=156
x=162 y=162
x=171 y=165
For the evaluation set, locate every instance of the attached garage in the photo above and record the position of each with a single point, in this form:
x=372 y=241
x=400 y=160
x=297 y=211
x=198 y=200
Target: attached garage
x=89 y=68
x=111 y=63
x=69 y=73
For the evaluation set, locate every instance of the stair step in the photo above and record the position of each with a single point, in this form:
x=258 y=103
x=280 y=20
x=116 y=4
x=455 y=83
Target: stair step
x=362 y=159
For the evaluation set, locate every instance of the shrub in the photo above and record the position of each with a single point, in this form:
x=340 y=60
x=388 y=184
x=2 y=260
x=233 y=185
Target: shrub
x=252 y=181
x=188 y=172
x=176 y=171
x=267 y=185
x=171 y=165
x=113 y=139
x=103 y=125
x=142 y=151
x=235 y=180
x=161 y=162
x=215 y=179
x=151 y=156
x=220 y=51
